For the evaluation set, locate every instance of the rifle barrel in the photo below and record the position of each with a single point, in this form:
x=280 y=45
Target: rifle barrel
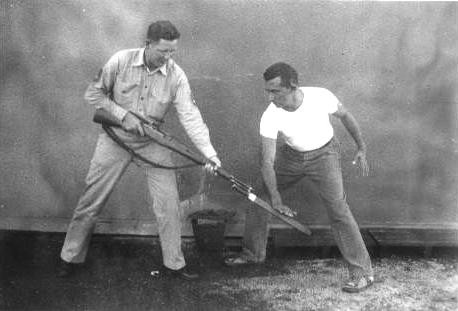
x=162 y=138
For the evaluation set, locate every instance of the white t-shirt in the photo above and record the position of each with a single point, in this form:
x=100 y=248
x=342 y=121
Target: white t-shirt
x=306 y=128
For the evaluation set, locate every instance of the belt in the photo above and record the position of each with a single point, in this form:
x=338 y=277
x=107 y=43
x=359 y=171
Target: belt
x=309 y=154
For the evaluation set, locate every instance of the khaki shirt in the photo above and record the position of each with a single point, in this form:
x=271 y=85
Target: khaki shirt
x=125 y=84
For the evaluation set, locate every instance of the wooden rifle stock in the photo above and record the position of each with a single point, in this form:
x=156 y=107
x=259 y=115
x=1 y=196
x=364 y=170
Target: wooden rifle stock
x=102 y=116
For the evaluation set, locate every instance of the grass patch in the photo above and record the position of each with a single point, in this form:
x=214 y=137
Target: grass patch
x=401 y=284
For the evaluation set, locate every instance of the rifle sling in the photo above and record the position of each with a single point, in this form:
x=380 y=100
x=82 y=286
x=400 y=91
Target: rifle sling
x=236 y=184
x=119 y=141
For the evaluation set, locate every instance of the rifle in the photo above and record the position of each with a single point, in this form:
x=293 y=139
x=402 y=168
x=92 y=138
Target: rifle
x=151 y=128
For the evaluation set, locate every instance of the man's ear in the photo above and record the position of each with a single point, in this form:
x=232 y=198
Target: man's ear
x=293 y=85
x=149 y=41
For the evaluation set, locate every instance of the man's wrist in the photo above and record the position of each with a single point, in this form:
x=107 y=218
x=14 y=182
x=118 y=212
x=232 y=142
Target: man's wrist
x=362 y=147
x=120 y=113
x=276 y=199
x=208 y=151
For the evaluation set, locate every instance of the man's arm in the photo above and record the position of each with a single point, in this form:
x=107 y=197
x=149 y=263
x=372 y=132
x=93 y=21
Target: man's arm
x=98 y=95
x=350 y=123
x=191 y=119
x=98 y=92
x=269 y=148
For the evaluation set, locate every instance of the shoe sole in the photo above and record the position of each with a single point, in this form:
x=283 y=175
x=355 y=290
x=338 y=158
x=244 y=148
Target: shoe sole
x=354 y=290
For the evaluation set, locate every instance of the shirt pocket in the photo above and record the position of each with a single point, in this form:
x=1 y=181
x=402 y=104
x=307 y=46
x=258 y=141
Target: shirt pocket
x=125 y=93
x=161 y=100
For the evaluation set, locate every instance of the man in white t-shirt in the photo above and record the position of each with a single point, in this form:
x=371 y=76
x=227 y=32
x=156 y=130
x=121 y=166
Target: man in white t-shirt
x=300 y=115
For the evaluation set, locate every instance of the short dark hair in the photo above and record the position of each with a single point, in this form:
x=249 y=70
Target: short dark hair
x=162 y=30
x=287 y=74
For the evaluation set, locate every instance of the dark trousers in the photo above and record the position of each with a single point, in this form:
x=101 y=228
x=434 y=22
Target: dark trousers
x=322 y=168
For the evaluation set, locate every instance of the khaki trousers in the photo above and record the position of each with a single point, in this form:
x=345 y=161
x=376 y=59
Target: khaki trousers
x=107 y=166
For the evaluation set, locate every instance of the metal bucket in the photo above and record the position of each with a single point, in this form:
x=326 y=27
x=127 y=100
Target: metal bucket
x=209 y=227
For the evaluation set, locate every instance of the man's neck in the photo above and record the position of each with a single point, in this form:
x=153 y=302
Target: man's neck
x=298 y=97
x=149 y=66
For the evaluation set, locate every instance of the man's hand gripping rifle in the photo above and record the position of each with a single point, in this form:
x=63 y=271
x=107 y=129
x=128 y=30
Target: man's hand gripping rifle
x=151 y=129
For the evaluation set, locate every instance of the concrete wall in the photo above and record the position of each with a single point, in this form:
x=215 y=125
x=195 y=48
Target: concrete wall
x=394 y=65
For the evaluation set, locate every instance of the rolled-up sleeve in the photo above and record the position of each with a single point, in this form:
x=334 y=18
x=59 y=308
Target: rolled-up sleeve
x=98 y=92
x=191 y=118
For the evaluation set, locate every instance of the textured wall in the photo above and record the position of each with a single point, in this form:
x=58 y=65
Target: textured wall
x=394 y=65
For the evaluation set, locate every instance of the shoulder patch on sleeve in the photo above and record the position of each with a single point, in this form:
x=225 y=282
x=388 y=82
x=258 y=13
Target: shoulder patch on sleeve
x=97 y=77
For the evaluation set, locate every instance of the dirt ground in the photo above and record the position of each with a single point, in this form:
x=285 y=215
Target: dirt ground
x=117 y=276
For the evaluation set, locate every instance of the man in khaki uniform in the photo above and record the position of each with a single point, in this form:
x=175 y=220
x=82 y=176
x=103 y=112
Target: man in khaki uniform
x=148 y=82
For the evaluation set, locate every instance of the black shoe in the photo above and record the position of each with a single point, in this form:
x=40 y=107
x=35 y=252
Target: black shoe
x=65 y=269
x=183 y=273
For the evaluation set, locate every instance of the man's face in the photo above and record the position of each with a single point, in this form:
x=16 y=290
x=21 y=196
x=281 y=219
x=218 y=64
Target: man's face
x=281 y=96
x=157 y=53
